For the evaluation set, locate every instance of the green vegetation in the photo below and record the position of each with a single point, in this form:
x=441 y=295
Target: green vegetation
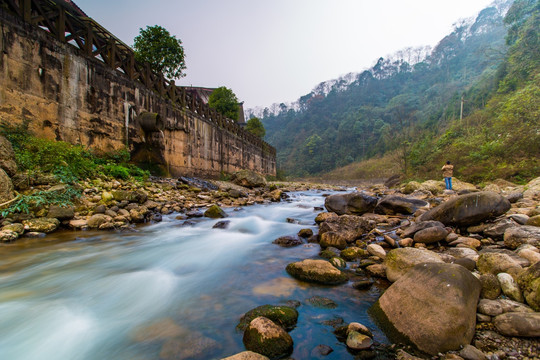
x=39 y=199
x=403 y=115
x=163 y=51
x=67 y=163
x=225 y=102
x=256 y=127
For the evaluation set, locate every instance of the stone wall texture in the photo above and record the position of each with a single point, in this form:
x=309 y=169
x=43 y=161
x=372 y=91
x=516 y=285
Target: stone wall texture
x=67 y=96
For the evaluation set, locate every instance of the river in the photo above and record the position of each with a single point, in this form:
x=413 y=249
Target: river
x=166 y=291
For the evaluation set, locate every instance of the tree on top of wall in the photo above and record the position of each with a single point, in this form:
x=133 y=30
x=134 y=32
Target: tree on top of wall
x=224 y=101
x=256 y=127
x=163 y=51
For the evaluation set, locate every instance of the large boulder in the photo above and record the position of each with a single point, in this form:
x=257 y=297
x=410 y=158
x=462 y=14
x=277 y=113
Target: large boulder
x=356 y=203
x=263 y=336
x=518 y=324
x=317 y=271
x=391 y=205
x=519 y=235
x=469 y=209
x=434 y=306
x=7 y=157
x=529 y=283
x=6 y=187
x=400 y=261
x=248 y=178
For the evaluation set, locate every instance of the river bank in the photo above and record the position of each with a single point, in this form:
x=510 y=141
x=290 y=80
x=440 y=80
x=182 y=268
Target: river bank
x=371 y=239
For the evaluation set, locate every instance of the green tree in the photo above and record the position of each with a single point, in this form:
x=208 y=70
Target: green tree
x=224 y=101
x=163 y=51
x=256 y=127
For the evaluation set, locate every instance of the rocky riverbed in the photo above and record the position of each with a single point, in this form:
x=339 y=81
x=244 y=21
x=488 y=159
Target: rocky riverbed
x=463 y=265
x=464 y=268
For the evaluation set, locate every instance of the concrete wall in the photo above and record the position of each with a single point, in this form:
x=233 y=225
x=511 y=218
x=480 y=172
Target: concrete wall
x=67 y=96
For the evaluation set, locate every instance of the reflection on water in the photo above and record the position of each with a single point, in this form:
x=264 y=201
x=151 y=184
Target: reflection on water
x=164 y=291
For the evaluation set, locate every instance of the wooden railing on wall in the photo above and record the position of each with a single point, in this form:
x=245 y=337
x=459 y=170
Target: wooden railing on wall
x=67 y=24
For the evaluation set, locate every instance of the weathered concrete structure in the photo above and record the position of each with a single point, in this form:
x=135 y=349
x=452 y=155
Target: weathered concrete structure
x=73 y=81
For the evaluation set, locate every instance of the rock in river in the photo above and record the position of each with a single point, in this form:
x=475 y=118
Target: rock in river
x=318 y=271
x=284 y=316
x=265 y=337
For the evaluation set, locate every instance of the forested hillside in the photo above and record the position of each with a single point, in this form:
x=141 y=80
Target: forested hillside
x=409 y=105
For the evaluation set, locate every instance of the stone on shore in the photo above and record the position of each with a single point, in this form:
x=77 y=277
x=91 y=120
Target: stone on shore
x=7 y=236
x=61 y=212
x=431 y=235
x=6 y=187
x=469 y=209
x=529 y=283
x=501 y=306
x=494 y=263
x=469 y=352
x=139 y=197
x=420 y=225
x=42 y=225
x=265 y=337
x=392 y=205
x=510 y=287
x=518 y=324
x=400 y=261
x=519 y=235
x=355 y=203
x=248 y=178
x=96 y=220
x=440 y=300
x=317 y=271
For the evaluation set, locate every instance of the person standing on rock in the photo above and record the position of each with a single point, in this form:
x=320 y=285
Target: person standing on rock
x=448 y=171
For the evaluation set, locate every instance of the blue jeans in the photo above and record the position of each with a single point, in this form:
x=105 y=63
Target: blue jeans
x=448 y=182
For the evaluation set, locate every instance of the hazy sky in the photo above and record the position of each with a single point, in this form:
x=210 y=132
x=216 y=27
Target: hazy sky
x=275 y=51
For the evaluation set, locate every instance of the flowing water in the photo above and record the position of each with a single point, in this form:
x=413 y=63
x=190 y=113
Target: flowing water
x=166 y=291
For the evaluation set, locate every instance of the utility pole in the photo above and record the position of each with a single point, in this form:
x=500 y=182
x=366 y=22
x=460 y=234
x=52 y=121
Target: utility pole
x=461 y=112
